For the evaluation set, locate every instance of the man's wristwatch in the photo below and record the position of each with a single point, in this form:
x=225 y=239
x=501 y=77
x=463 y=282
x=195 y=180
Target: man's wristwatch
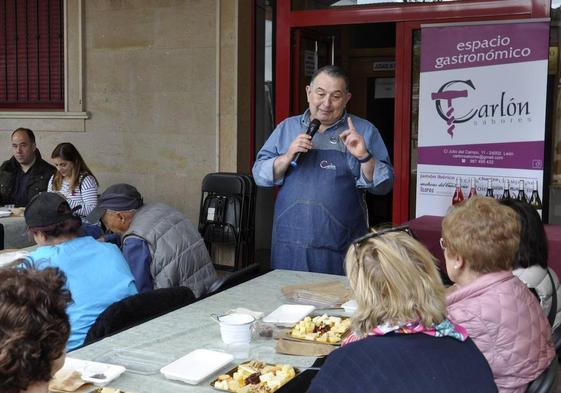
x=365 y=159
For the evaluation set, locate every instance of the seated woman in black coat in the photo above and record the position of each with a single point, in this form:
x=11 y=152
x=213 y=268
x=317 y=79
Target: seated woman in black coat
x=402 y=341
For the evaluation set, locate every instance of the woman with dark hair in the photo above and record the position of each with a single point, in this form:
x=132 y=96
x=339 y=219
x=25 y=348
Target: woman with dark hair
x=530 y=263
x=97 y=272
x=34 y=327
x=73 y=179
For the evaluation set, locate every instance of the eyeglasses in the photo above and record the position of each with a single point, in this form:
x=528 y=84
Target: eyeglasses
x=371 y=235
x=442 y=244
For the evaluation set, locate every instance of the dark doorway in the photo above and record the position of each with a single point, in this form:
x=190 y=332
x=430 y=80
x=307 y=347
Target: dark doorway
x=380 y=112
x=367 y=53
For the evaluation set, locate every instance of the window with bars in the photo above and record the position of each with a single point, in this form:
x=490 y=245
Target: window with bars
x=31 y=54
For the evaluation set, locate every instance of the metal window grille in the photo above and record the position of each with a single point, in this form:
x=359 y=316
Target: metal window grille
x=31 y=54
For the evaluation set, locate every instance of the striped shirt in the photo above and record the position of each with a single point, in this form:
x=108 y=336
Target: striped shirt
x=85 y=194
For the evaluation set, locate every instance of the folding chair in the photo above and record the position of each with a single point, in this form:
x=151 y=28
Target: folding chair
x=2 y=244
x=136 y=309
x=547 y=381
x=231 y=280
x=557 y=341
x=227 y=215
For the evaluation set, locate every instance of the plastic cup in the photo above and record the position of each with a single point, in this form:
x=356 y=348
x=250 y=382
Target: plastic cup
x=236 y=328
x=239 y=350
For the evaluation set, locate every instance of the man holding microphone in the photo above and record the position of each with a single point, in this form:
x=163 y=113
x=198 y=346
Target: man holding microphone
x=320 y=208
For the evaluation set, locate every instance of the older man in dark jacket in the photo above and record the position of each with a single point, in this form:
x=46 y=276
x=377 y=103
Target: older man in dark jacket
x=26 y=174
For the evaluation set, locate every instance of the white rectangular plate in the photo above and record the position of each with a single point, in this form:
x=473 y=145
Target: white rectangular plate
x=350 y=306
x=196 y=366
x=289 y=314
x=89 y=369
x=8 y=257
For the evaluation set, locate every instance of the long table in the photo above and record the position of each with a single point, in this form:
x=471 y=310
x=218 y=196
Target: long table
x=182 y=331
x=428 y=229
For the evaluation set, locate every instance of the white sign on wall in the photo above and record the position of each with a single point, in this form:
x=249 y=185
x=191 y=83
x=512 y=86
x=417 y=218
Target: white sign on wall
x=482 y=107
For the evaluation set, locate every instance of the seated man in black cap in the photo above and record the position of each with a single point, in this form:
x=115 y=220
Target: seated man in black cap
x=98 y=275
x=161 y=245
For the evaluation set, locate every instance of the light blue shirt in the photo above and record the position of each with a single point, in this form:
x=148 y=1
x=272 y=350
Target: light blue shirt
x=97 y=275
x=281 y=138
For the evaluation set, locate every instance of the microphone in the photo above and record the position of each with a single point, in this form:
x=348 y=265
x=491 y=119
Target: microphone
x=312 y=129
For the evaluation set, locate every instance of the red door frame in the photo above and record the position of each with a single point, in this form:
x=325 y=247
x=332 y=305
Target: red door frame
x=407 y=17
x=300 y=34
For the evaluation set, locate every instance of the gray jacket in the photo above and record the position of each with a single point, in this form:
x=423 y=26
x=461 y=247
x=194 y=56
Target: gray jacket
x=179 y=255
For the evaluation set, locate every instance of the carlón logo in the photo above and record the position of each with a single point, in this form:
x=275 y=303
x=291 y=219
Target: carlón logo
x=504 y=110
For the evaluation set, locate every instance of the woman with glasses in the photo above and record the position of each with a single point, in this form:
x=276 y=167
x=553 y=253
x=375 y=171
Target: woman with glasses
x=401 y=340
x=480 y=238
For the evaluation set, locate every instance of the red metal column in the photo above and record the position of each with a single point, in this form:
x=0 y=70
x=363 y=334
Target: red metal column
x=402 y=123
x=282 y=61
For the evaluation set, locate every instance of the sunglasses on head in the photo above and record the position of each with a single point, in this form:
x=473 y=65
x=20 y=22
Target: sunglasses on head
x=371 y=235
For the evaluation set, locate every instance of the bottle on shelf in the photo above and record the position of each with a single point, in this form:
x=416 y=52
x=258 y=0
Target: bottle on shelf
x=489 y=192
x=458 y=194
x=506 y=191
x=521 y=193
x=535 y=200
x=472 y=188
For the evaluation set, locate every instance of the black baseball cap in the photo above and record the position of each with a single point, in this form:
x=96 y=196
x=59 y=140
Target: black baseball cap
x=48 y=208
x=118 y=197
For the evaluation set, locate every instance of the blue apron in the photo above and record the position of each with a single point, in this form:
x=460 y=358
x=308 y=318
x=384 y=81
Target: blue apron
x=318 y=212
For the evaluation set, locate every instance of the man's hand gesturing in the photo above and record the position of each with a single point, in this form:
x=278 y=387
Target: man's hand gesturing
x=354 y=142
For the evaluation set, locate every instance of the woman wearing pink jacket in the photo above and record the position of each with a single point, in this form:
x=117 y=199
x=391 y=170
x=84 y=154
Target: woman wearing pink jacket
x=480 y=239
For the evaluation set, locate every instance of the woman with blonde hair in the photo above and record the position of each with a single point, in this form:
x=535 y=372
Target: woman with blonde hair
x=73 y=179
x=401 y=340
x=480 y=239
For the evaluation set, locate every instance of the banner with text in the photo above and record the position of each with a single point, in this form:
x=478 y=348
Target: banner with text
x=482 y=103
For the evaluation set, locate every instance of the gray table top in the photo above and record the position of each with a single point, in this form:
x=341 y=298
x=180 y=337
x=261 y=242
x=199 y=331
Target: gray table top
x=15 y=233
x=174 y=335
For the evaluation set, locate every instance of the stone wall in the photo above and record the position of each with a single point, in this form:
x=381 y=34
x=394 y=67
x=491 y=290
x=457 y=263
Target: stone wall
x=160 y=83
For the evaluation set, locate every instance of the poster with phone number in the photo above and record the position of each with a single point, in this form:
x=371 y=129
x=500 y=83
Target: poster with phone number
x=482 y=103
